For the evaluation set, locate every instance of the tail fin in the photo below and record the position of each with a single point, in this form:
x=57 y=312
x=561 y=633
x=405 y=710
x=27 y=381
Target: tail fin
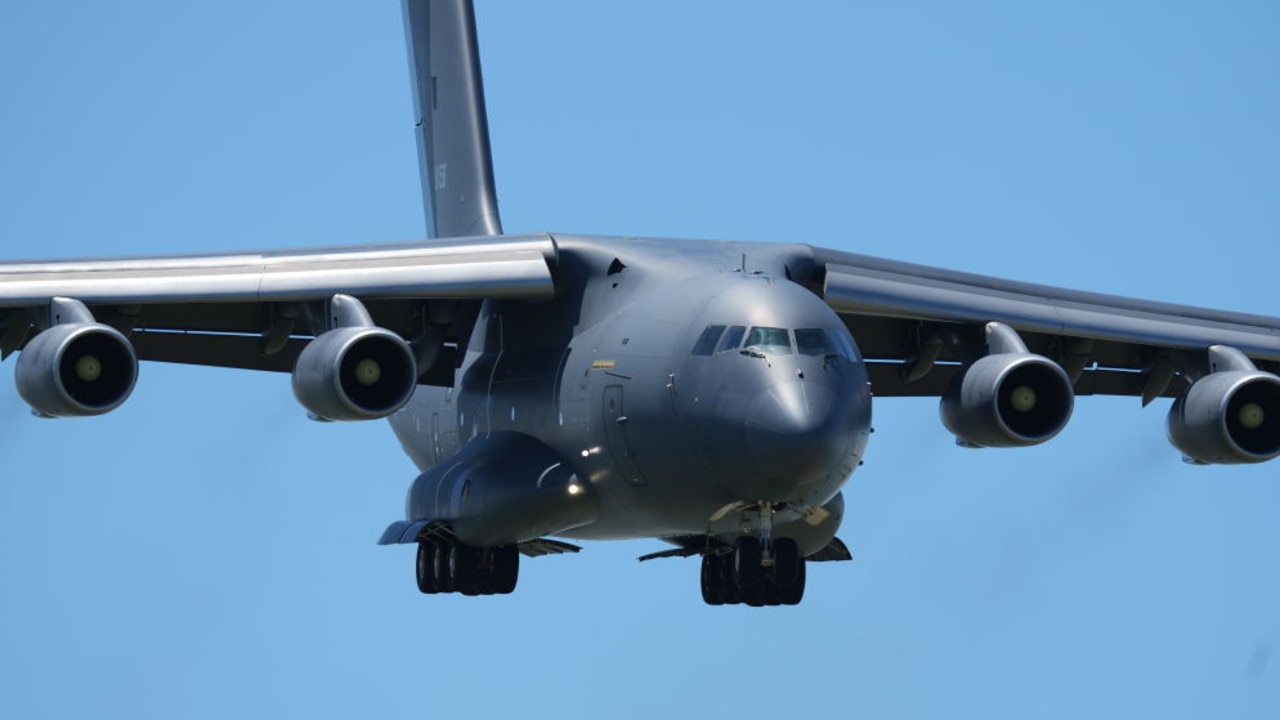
x=453 y=131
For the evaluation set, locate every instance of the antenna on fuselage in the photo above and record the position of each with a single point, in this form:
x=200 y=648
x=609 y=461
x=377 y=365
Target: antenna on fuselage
x=452 y=128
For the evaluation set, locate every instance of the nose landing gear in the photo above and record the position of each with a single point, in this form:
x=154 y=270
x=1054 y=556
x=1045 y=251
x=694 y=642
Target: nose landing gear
x=753 y=574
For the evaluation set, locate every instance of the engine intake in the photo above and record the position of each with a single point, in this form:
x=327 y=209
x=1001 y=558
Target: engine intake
x=1228 y=418
x=77 y=370
x=355 y=373
x=1008 y=400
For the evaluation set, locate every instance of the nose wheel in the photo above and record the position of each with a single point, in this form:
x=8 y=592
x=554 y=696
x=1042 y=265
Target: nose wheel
x=753 y=574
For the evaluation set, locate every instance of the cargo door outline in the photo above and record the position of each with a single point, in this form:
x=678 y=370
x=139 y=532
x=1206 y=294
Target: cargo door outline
x=615 y=430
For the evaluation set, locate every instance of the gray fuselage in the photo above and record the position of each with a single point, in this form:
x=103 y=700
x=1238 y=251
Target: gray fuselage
x=674 y=388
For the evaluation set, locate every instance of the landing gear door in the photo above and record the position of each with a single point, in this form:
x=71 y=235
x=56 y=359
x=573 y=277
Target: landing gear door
x=615 y=430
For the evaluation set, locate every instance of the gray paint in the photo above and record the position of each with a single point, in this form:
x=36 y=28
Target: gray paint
x=511 y=266
x=965 y=298
x=451 y=127
x=573 y=402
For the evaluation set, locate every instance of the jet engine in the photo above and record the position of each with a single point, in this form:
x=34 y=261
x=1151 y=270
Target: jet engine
x=1228 y=418
x=355 y=373
x=77 y=369
x=1008 y=400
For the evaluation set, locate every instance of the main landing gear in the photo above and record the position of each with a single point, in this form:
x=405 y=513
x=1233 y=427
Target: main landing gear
x=446 y=566
x=753 y=574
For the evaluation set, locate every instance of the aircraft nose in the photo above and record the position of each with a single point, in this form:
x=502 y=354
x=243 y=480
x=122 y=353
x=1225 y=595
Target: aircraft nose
x=795 y=433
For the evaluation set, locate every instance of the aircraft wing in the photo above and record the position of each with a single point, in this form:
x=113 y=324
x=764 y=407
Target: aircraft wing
x=916 y=325
x=256 y=310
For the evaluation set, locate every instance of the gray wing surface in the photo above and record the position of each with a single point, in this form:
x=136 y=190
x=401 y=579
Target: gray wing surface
x=253 y=310
x=917 y=324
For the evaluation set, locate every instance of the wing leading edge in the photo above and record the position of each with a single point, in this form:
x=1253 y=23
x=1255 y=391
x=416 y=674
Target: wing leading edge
x=253 y=310
x=507 y=267
x=918 y=325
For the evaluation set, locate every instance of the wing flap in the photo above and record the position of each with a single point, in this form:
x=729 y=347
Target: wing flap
x=229 y=351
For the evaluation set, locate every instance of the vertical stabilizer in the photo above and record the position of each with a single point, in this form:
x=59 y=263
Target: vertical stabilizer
x=453 y=131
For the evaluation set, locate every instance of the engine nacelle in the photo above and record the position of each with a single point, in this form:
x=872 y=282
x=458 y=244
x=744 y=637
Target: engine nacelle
x=1008 y=400
x=77 y=369
x=1228 y=418
x=355 y=373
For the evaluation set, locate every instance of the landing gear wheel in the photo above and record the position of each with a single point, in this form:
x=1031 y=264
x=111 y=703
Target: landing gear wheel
x=792 y=594
x=712 y=587
x=464 y=568
x=754 y=596
x=747 y=564
x=426 y=567
x=486 y=579
x=440 y=565
x=506 y=569
x=743 y=576
x=728 y=585
x=786 y=562
x=447 y=566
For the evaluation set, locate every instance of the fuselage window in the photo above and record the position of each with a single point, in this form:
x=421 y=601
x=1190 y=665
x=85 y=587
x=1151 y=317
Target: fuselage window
x=776 y=341
x=815 y=341
x=707 y=343
x=732 y=338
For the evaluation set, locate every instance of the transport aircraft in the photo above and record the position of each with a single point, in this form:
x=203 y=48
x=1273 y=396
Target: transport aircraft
x=555 y=387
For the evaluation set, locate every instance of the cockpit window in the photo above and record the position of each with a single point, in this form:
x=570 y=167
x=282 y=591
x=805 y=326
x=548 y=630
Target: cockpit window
x=732 y=339
x=812 y=342
x=845 y=343
x=707 y=342
x=815 y=341
x=776 y=341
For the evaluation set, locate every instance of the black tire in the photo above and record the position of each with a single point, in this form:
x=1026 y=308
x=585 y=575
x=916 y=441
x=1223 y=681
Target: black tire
x=712 y=587
x=754 y=596
x=444 y=583
x=425 y=572
x=768 y=592
x=506 y=569
x=786 y=562
x=729 y=594
x=794 y=593
x=464 y=568
x=746 y=563
x=486 y=580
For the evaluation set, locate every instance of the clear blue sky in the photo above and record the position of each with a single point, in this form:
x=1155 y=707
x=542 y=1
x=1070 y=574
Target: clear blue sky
x=206 y=552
